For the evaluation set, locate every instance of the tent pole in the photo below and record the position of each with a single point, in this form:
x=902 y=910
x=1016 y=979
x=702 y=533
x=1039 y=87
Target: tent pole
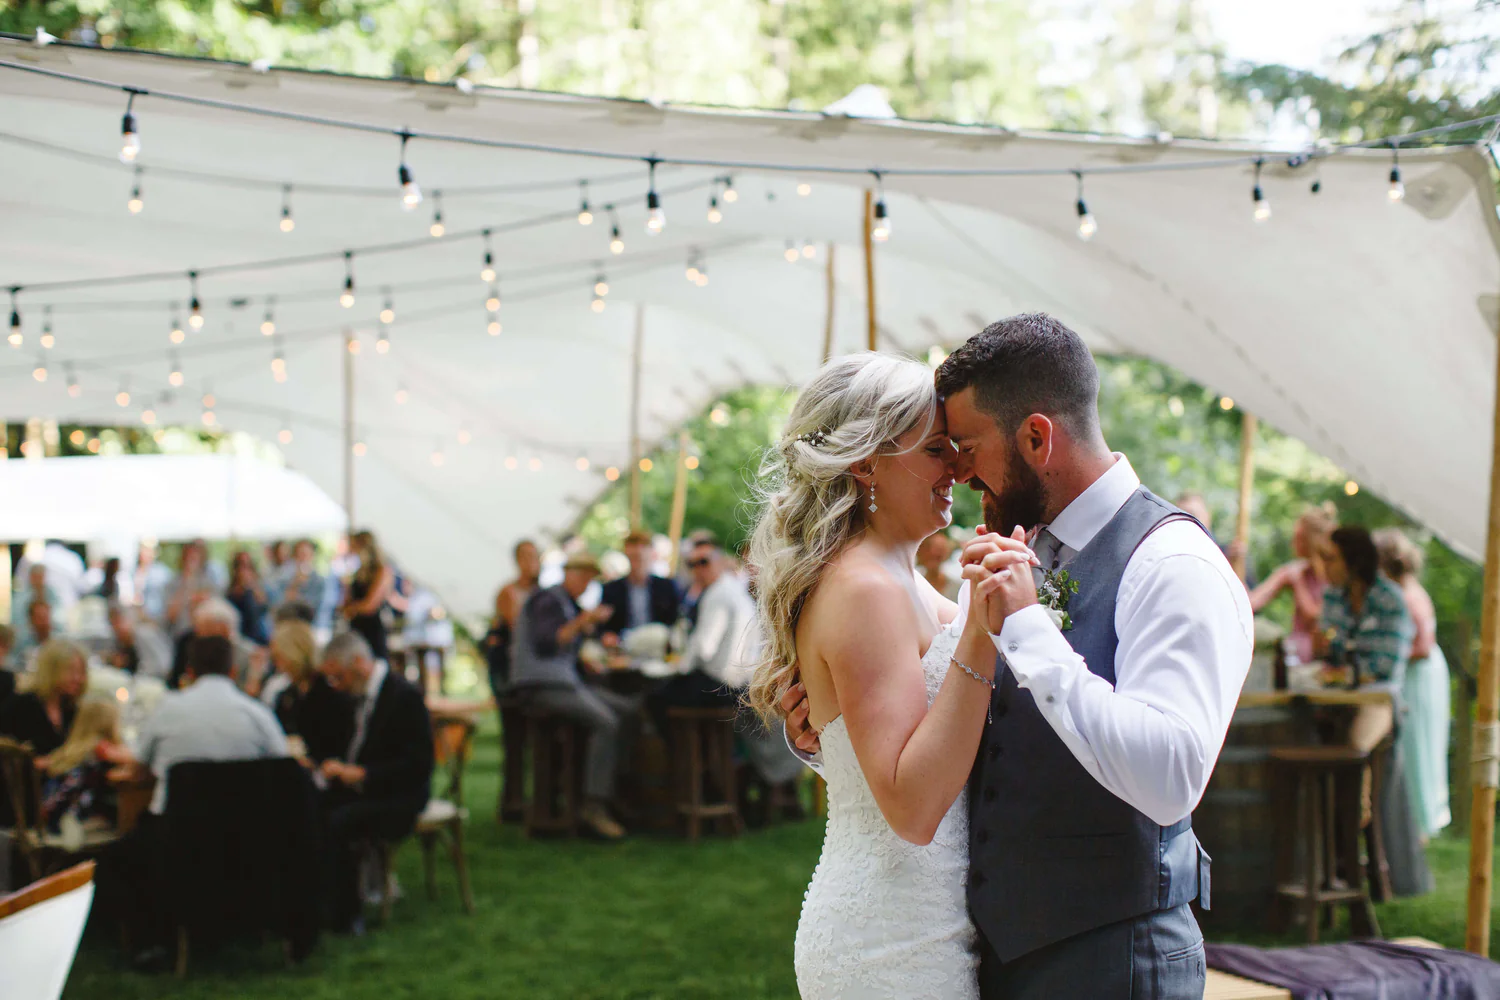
x=1248 y=425
x=869 y=271
x=832 y=289
x=1484 y=766
x=635 y=417
x=679 y=503
x=349 y=432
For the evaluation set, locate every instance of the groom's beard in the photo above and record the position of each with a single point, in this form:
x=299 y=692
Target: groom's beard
x=1020 y=500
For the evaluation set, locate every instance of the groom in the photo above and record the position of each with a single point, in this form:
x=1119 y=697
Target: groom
x=1082 y=860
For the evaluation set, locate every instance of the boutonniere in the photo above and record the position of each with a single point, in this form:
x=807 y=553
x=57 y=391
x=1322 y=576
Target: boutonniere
x=1055 y=591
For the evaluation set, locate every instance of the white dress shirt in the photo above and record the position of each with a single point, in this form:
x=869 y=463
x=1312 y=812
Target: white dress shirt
x=364 y=707
x=1185 y=637
x=719 y=642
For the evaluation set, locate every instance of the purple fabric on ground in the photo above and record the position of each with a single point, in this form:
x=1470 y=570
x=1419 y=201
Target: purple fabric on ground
x=1363 y=970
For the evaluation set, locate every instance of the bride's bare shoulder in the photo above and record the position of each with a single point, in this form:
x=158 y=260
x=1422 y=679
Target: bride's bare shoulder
x=855 y=586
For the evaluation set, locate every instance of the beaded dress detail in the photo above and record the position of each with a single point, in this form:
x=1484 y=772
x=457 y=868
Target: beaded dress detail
x=884 y=917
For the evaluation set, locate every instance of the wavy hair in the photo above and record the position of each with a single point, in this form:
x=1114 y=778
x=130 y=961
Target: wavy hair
x=854 y=409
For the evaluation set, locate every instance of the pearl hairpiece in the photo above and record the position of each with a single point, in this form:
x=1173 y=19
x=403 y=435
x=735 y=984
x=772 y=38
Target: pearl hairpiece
x=814 y=438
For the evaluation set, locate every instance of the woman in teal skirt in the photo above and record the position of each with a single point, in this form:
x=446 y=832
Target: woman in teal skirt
x=1426 y=692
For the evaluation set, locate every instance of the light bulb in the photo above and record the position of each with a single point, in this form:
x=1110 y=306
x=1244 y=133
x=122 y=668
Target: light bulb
x=582 y=464
x=148 y=416
x=382 y=342
x=730 y=194
x=714 y=215
x=656 y=220
x=284 y=435
x=804 y=189
x=130 y=139
x=74 y=389
x=809 y=251
x=611 y=473
x=487 y=273
x=39 y=372
x=387 y=315
x=287 y=222
x=692 y=272
x=1397 y=190
x=1087 y=227
x=411 y=192
x=464 y=437
x=48 y=341
x=616 y=245
x=534 y=464
x=493 y=302
x=268 y=325
x=1262 y=209
x=437 y=458
x=791 y=254
x=209 y=419
x=135 y=204
x=195 y=317
x=352 y=344
x=691 y=462
x=494 y=328
x=511 y=463
x=882 y=228
x=346 y=297
x=402 y=395
x=175 y=378
x=437 y=228
x=585 y=217
x=601 y=288
x=359 y=449
x=702 y=279
x=597 y=305
x=209 y=401
x=122 y=398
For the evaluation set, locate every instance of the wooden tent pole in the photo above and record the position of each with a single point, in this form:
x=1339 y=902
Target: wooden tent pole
x=679 y=502
x=635 y=417
x=1484 y=766
x=831 y=287
x=1248 y=424
x=869 y=223
x=349 y=432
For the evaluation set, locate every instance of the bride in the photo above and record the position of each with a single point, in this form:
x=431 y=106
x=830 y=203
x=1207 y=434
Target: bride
x=866 y=472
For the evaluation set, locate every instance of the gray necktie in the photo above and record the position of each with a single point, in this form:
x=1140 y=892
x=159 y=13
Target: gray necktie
x=1048 y=551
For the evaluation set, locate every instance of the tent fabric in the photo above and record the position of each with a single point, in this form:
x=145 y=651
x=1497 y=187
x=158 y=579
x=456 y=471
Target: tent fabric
x=1365 y=328
x=170 y=497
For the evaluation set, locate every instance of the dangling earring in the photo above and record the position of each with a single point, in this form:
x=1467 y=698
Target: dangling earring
x=872 y=508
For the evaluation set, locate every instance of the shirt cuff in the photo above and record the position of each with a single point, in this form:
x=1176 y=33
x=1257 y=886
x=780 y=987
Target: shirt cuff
x=1038 y=656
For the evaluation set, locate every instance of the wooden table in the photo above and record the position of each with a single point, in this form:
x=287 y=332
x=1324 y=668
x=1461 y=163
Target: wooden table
x=1315 y=696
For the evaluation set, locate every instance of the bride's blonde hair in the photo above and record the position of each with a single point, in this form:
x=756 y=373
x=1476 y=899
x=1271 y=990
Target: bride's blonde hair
x=854 y=409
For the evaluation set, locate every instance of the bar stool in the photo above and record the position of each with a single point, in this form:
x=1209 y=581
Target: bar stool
x=1318 y=823
x=703 y=747
x=556 y=747
x=510 y=806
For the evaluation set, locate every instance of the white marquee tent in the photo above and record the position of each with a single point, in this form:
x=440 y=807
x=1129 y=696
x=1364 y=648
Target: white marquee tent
x=1366 y=329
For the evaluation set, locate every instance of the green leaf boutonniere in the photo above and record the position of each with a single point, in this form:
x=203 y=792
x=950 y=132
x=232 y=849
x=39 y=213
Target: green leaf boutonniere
x=1056 y=590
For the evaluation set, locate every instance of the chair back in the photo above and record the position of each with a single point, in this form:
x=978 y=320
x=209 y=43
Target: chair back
x=40 y=928
x=242 y=848
x=452 y=743
x=21 y=806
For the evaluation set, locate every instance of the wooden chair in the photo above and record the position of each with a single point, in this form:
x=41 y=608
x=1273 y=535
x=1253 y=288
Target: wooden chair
x=703 y=747
x=555 y=745
x=416 y=655
x=510 y=805
x=1319 y=820
x=445 y=815
x=43 y=852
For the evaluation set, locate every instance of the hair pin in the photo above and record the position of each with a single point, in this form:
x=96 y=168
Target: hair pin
x=814 y=438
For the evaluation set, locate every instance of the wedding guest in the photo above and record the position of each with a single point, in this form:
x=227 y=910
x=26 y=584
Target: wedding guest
x=248 y=595
x=369 y=588
x=77 y=773
x=300 y=582
x=690 y=590
x=112 y=580
x=1366 y=626
x=932 y=560
x=1306 y=577
x=545 y=676
x=193 y=585
x=278 y=554
x=140 y=647
x=305 y=704
x=152 y=583
x=7 y=670
x=716 y=668
x=639 y=597
x=508 y=603
x=37 y=589
x=1426 y=693
x=43 y=714
x=37 y=634
x=382 y=782
x=215 y=617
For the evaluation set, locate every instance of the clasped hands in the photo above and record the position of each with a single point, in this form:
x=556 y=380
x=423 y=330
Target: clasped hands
x=351 y=775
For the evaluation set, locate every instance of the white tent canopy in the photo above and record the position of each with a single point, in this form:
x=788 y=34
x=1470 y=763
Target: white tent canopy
x=1364 y=328
x=170 y=497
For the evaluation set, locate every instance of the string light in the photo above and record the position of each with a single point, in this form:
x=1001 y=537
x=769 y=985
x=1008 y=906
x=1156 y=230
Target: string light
x=40 y=371
x=464 y=437
x=730 y=194
x=809 y=250
x=411 y=193
x=287 y=222
x=804 y=189
x=646 y=465
x=122 y=398
x=690 y=463
x=359 y=449
x=616 y=245
x=148 y=416
x=612 y=473
x=581 y=463
x=388 y=310
x=130 y=139
x=1087 y=227
x=401 y=395
x=278 y=365
x=492 y=304
x=47 y=339
x=346 y=297
x=692 y=265
x=74 y=390
x=176 y=336
x=1351 y=488
x=487 y=272
x=209 y=419
x=1258 y=196
x=135 y=204
x=702 y=280
x=437 y=456
x=534 y=464
x=791 y=253
x=656 y=219
x=268 y=325
x=585 y=217
x=1397 y=190
x=881 y=231
x=15 y=337
x=285 y=434
x=511 y=463
x=195 y=307
x=351 y=341
x=174 y=377
x=437 y=229
x=209 y=401
x=714 y=215
x=383 y=341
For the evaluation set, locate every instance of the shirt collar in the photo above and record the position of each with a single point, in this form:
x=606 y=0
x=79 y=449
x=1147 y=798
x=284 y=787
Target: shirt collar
x=377 y=678
x=1092 y=509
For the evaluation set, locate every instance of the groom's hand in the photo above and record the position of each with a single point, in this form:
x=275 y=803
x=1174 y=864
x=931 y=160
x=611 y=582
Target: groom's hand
x=794 y=704
x=999 y=570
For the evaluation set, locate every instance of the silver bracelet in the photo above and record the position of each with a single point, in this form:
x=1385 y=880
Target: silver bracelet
x=981 y=679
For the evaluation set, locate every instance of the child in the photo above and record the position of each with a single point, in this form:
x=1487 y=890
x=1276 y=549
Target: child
x=77 y=775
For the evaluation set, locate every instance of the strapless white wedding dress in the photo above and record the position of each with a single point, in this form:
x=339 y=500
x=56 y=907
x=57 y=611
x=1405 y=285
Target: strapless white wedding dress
x=884 y=917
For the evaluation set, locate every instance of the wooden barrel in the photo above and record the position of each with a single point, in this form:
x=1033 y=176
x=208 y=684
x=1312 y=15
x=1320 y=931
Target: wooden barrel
x=1236 y=823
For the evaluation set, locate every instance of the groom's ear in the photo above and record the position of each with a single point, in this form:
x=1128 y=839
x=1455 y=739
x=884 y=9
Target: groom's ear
x=1035 y=440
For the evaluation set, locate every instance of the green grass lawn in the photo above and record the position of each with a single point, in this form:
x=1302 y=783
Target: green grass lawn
x=652 y=917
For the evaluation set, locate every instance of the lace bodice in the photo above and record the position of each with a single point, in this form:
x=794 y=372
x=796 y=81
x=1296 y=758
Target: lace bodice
x=884 y=917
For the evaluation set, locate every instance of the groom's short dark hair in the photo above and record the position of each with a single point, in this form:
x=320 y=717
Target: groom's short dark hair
x=1027 y=364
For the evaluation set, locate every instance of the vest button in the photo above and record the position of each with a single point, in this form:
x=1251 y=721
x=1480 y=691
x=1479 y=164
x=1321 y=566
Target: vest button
x=989 y=795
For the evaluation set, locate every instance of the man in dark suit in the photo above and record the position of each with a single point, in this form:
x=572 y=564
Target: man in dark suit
x=639 y=597
x=380 y=788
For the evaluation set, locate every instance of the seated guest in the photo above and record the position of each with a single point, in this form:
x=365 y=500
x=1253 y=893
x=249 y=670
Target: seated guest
x=544 y=675
x=43 y=714
x=639 y=597
x=1366 y=626
x=304 y=703
x=37 y=633
x=1426 y=692
x=932 y=563
x=716 y=674
x=508 y=603
x=140 y=647
x=7 y=675
x=248 y=595
x=150 y=584
x=36 y=589
x=299 y=582
x=216 y=617
x=78 y=772
x=382 y=782
x=194 y=584
x=1305 y=577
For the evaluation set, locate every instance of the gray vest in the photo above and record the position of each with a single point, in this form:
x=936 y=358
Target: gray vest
x=1052 y=853
x=527 y=669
